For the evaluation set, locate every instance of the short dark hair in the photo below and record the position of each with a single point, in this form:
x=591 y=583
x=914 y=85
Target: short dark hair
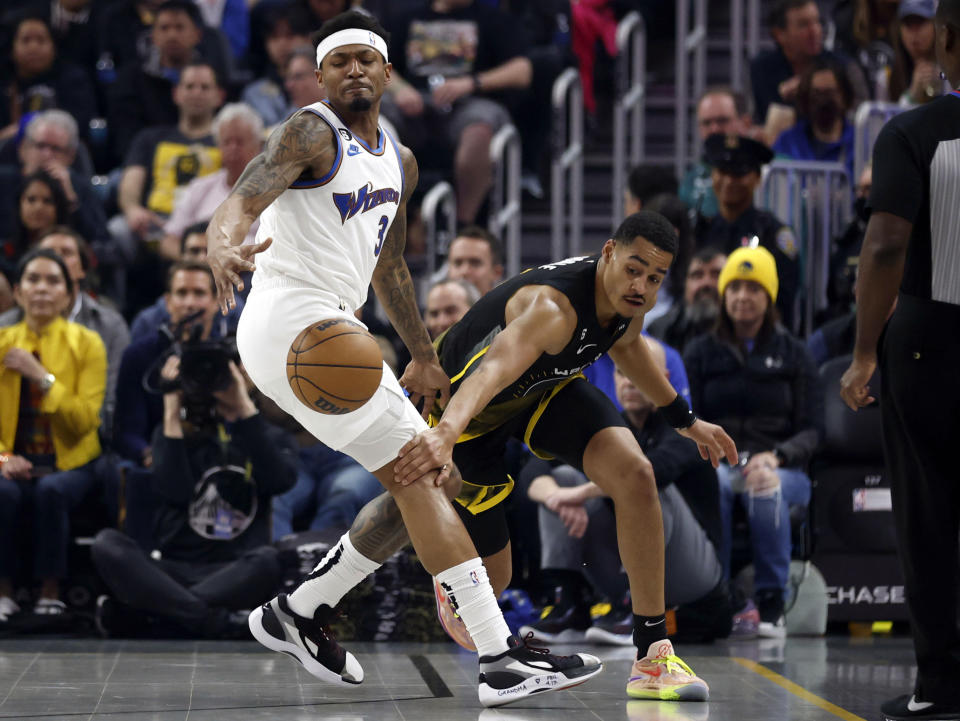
x=476 y=232
x=83 y=247
x=648 y=180
x=190 y=266
x=741 y=103
x=706 y=254
x=196 y=228
x=181 y=6
x=201 y=64
x=295 y=17
x=650 y=226
x=778 y=13
x=34 y=253
x=820 y=65
x=347 y=20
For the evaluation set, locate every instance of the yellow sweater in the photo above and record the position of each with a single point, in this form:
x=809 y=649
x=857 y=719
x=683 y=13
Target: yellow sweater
x=76 y=356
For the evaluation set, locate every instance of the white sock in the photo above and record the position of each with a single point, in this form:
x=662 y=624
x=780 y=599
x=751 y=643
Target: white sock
x=340 y=570
x=469 y=590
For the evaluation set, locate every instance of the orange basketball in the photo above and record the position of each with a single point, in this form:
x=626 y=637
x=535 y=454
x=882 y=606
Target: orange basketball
x=334 y=366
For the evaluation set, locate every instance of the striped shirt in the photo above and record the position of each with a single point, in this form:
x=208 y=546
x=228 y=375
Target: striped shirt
x=916 y=176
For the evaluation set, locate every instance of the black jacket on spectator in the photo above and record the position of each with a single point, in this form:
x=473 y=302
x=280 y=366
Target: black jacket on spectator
x=87 y=218
x=76 y=37
x=199 y=504
x=767 y=399
x=676 y=460
x=65 y=86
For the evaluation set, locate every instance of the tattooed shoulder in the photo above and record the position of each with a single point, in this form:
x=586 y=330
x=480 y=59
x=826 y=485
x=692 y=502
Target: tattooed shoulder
x=305 y=141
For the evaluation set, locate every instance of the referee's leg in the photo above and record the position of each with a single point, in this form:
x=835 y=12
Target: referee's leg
x=920 y=405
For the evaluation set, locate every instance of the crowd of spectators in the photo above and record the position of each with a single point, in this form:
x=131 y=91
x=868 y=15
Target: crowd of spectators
x=124 y=123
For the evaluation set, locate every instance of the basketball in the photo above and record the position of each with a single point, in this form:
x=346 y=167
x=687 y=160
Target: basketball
x=334 y=366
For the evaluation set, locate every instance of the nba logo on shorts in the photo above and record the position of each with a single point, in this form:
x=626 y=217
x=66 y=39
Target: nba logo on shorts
x=475 y=578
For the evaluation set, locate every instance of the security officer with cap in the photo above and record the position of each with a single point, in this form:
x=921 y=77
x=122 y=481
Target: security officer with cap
x=736 y=162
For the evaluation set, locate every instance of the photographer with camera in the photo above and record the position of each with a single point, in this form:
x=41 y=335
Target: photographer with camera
x=217 y=463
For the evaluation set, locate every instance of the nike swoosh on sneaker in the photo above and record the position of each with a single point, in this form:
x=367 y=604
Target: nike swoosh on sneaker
x=914 y=705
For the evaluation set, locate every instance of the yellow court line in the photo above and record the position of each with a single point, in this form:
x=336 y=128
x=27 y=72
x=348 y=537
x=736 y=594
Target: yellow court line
x=797 y=690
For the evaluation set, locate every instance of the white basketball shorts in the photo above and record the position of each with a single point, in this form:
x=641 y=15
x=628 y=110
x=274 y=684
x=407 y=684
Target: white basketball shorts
x=272 y=318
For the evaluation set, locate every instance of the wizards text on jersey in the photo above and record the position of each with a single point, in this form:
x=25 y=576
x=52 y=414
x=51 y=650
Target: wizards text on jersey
x=349 y=204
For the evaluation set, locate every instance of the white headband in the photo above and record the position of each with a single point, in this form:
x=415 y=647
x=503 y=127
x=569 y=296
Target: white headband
x=351 y=36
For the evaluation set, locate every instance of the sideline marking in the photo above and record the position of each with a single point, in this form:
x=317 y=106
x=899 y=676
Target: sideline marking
x=797 y=690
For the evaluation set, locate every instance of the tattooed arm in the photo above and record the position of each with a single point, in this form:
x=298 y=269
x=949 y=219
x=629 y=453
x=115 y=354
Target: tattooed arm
x=424 y=377
x=304 y=141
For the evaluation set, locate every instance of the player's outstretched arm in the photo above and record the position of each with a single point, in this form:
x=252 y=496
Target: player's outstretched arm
x=634 y=359
x=539 y=320
x=423 y=378
x=304 y=141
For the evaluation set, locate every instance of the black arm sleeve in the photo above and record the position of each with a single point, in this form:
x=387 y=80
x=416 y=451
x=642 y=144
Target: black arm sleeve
x=272 y=453
x=672 y=457
x=173 y=476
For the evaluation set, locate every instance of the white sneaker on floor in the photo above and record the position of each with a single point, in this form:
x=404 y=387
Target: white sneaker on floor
x=524 y=670
x=8 y=607
x=49 y=607
x=773 y=629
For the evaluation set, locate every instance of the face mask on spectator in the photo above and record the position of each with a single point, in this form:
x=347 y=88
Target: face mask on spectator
x=824 y=114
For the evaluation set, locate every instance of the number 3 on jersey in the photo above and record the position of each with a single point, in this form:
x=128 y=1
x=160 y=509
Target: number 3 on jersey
x=383 y=229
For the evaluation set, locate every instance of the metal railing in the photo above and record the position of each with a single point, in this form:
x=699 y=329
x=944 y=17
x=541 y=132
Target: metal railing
x=504 y=219
x=691 y=77
x=814 y=199
x=439 y=212
x=566 y=170
x=870 y=118
x=739 y=68
x=629 y=108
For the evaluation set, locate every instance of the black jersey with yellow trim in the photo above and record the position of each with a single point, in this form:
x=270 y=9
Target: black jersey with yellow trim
x=462 y=347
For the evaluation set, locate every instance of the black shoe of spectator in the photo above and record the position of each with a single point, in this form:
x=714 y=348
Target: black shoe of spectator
x=613 y=629
x=706 y=619
x=907 y=708
x=773 y=623
x=566 y=622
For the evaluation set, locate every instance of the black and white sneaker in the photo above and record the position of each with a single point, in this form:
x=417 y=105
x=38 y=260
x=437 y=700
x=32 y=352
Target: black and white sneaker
x=309 y=640
x=525 y=670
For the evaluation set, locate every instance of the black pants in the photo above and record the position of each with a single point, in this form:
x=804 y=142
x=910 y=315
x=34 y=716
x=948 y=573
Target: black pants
x=920 y=405
x=195 y=595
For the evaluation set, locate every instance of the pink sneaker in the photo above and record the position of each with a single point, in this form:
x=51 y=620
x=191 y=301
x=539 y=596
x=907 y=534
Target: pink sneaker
x=662 y=676
x=451 y=622
x=746 y=622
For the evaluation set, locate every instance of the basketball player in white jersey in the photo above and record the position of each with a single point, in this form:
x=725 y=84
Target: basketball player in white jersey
x=331 y=189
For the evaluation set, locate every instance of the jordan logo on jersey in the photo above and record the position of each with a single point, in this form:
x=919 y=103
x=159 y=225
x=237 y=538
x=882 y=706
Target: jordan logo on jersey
x=349 y=204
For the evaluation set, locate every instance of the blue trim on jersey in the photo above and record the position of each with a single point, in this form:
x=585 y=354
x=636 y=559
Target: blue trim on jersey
x=316 y=183
x=396 y=149
x=382 y=144
x=955 y=92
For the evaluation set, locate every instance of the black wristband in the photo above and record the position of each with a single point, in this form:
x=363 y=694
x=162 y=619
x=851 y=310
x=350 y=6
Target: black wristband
x=678 y=413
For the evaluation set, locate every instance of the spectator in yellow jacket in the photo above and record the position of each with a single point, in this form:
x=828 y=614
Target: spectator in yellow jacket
x=52 y=383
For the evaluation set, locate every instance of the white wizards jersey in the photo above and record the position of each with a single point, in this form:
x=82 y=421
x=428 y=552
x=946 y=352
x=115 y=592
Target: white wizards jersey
x=328 y=232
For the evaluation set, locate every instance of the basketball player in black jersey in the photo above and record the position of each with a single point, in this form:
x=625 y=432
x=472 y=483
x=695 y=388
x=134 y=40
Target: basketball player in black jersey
x=515 y=362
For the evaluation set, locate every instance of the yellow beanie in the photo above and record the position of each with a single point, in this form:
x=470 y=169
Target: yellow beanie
x=756 y=264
